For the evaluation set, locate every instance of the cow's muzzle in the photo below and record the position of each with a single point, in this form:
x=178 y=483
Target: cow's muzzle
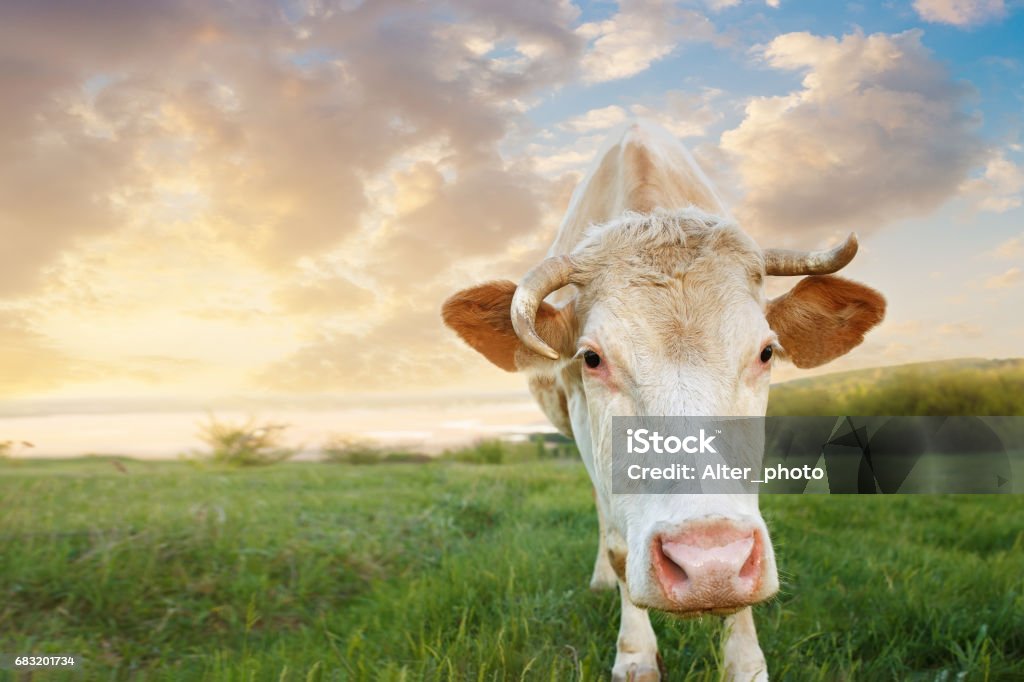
x=715 y=566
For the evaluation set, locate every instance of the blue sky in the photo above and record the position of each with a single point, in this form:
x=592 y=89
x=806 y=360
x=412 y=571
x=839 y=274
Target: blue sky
x=989 y=56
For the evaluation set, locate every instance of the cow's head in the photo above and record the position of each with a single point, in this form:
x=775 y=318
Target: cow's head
x=669 y=317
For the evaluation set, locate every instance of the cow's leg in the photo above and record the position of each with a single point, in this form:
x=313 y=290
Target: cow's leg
x=636 y=656
x=603 y=577
x=741 y=652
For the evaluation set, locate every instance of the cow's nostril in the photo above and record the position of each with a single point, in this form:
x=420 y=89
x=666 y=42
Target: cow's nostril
x=671 y=572
x=751 y=569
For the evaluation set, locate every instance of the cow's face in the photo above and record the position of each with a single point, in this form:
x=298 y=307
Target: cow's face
x=677 y=326
x=669 y=318
x=673 y=325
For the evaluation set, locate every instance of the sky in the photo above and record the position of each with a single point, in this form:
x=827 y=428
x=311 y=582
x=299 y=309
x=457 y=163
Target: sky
x=201 y=200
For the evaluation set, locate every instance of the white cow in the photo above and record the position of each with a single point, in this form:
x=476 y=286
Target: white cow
x=661 y=310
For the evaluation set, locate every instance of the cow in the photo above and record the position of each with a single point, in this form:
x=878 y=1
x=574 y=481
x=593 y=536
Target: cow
x=651 y=301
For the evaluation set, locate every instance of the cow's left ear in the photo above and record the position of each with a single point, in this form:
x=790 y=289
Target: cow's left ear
x=823 y=317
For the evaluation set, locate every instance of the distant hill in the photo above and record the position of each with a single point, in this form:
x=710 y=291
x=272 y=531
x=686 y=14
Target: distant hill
x=949 y=387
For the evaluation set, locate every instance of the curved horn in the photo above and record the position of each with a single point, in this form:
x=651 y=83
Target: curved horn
x=786 y=262
x=552 y=273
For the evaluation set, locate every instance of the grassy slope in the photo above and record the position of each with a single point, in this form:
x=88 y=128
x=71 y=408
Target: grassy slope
x=950 y=387
x=466 y=572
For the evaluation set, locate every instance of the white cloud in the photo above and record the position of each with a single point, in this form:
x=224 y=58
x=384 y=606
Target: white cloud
x=1005 y=280
x=959 y=12
x=143 y=144
x=876 y=133
x=684 y=114
x=1000 y=188
x=553 y=160
x=1011 y=249
x=718 y=5
x=961 y=329
x=596 y=119
x=639 y=34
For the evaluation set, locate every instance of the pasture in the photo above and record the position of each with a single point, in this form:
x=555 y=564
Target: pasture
x=453 y=571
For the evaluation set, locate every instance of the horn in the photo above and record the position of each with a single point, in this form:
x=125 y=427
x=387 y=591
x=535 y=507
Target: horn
x=551 y=274
x=786 y=262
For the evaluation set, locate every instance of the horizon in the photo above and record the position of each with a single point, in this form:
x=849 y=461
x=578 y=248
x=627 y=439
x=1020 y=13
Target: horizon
x=428 y=422
x=130 y=404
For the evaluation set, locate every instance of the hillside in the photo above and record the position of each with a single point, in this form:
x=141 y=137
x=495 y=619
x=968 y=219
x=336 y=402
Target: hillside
x=948 y=387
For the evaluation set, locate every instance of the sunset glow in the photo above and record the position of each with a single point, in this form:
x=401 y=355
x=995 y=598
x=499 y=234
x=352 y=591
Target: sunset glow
x=201 y=201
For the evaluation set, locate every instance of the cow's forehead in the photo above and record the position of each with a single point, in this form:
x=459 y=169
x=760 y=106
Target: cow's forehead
x=684 y=276
x=663 y=244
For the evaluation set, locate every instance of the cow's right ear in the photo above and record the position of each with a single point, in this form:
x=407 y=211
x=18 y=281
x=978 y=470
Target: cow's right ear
x=482 y=317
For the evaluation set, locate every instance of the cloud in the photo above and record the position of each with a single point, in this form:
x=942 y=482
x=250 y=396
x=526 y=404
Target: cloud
x=324 y=295
x=684 y=114
x=964 y=330
x=1006 y=280
x=260 y=173
x=572 y=156
x=639 y=34
x=262 y=120
x=876 y=133
x=411 y=350
x=31 y=362
x=960 y=12
x=444 y=216
x=1000 y=187
x=596 y=119
x=718 y=5
x=1011 y=249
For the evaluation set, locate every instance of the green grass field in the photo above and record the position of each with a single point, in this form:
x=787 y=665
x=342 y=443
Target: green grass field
x=466 y=572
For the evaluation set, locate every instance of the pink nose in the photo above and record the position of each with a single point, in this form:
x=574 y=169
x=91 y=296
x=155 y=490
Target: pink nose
x=709 y=566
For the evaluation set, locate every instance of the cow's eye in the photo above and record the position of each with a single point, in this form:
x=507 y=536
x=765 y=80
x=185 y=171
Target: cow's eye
x=766 y=354
x=592 y=359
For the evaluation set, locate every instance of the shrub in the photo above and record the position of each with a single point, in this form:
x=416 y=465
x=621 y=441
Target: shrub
x=352 y=450
x=10 y=447
x=246 y=444
x=482 y=452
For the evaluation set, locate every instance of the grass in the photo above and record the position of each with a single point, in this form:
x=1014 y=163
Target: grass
x=457 y=571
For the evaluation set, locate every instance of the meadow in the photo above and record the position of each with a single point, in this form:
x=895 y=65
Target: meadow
x=470 y=568
x=166 y=571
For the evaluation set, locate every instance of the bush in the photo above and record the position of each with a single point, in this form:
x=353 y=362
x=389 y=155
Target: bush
x=350 y=450
x=10 y=447
x=244 y=445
